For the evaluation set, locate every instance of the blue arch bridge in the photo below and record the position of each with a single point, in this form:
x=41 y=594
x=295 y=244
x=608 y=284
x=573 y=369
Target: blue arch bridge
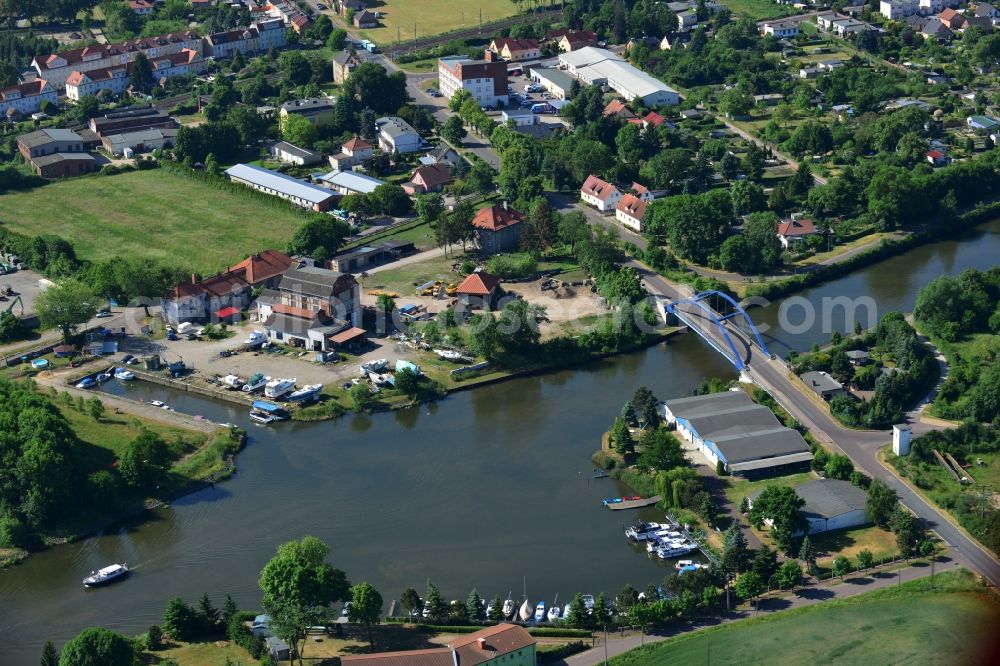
x=700 y=315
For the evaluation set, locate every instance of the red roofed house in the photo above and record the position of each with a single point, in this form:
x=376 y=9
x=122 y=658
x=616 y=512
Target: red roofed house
x=577 y=39
x=600 y=194
x=653 y=118
x=503 y=644
x=354 y=152
x=617 y=108
x=429 y=178
x=515 y=49
x=479 y=290
x=937 y=158
x=953 y=19
x=141 y=7
x=196 y=300
x=26 y=98
x=116 y=79
x=795 y=230
x=630 y=211
x=498 y=228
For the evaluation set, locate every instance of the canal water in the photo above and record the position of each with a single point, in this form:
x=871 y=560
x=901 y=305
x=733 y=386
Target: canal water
x=490 y=488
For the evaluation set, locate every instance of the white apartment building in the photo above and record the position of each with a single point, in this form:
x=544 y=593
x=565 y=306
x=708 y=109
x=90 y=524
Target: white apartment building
x=485 y=81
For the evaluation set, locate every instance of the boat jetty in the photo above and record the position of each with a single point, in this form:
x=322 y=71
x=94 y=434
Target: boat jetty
x=667 y=540
x=633 y=502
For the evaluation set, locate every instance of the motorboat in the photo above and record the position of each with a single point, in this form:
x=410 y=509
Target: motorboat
x=381 y=378
x=525 y=611
x=232 y=382
x=256 y=338
x=256 y=382
x=643 y=531
x=262 y=418
x=540 y=611
x=449 y=354
x=86 y=383
x=676 y=549
x=553 y=613
x=103 y=377
x=376 y=365
x=508 y=607
x=310 y=392
x=278 y=387
x=588 y=601
x=691 y=567
x=106 y=576
x=683 y=563
x=124 y=375
x=157 y=403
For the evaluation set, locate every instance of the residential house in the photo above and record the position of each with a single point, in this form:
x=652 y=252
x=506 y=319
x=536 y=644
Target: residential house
x=314 y=289
x=259 y=37
x=352 y=153
x=429 y=178
x=515 y=50
x=982 y=124
x=498 y=228
x=395 y=135
x=687 y=19
x=935 y=29
x=443 y=154
x=858 y=357
x=653 y=119
x=953 y=19
x=809 y=72
x=199 y=300
x=781 y=29
x=917 y=22
x=365 y=20
x=829 y=504
x=630 y=211
x=344 y=63
x=617 y=108
x=600 y=194
x=894 y=10
x=485 y=81
x=844 y=112
x=300 y=193
x=140 y=7
x=289 y=14
x=934 y=79
x=937 y=158
x=56 y=67
x=317 y=110
x=351 y=182
x=131 y=119
x=519 y=117
x=576 y=39
x=731 y=429
x=479 y=290
x=675 y=40
x=292 y=154
x=822 y=384
x=499 y=645
x=117 y=79
x=795 y=230
x=142 y=141
x=352 y=6
x=25 y=99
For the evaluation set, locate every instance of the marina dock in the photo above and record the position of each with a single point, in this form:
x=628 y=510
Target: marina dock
x=635 y=504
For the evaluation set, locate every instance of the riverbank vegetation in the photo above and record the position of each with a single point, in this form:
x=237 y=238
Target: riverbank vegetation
x=74 y=467
x=962 y=316
x=955 y=609
x=899 y=372
x=976 y=449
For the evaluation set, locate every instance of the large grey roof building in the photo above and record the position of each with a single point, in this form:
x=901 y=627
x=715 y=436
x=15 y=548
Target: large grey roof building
x=830 y=504
x=731 y=428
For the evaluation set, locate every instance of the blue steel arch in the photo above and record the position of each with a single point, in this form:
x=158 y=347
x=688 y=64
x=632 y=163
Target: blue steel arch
x=717 y=320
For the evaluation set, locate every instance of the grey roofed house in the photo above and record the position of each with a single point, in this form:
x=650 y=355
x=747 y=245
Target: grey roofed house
x=858 y=356
x=314 y=281
x=822 y=384
x=830 y=504
x=731 y=428
x=46 y=160
x=917 y=22
x=307 y=156
x=444 y=154
x=936 y=29
x=44 y=136
x=309 y=104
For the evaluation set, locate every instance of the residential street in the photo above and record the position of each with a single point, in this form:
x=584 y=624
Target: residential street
x=834 y=589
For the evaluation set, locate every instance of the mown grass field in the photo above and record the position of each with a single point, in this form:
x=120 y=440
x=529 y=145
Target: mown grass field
x=759 y=10
x=432 y=17
x=908 y=625
x=152 y=214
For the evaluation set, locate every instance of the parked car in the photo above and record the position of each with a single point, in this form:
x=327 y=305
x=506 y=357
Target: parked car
x=128 y=359
x=320 y=6
x=104 y=313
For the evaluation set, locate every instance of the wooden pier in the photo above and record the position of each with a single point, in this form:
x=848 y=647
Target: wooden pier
x=634 y=504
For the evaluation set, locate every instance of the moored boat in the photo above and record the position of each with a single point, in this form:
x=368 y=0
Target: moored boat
x=307 y=393
x=86 y=383
x=525 y=611
x=124 y=375
x=256 y=382
x=232 y=382
x=262 y=418
x=106 y=575
x=103 y=377
x=278 y=387
x=553 y=613
x=540 y=611
x=449 y=354
x=508 y=607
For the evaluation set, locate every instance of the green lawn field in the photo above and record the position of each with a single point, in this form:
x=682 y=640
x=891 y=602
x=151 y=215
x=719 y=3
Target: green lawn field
x=154 y=214
x=909 y=625
x=433 y=17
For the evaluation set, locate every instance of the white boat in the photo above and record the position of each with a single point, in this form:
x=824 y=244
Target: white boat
x=427 y=610
x=508 y=607
x=86 y=383
x=525 y=611
x=262 y=418
x=588 y=601
x=642 y=531
x=376 y=365
x=256 y=382
x=310 y=392
x=676 y=549
x=381 y=378
x=278 y=387
x=157 y=403
x=232 y=382
x=103 y=377
x=106 y=576
x=489 y=608
x=123 y=374
x=565 y=613
x=449 y=354
x=540 y=611
x=256 y=338
x=553 y=613
x=683 y=563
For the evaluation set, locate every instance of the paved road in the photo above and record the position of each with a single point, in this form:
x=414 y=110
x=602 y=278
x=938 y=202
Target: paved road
x=805 y=597
x=861 y=446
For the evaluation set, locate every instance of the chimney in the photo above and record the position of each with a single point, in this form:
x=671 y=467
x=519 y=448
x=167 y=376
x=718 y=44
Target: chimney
x=481 y=642
x=194 y=278
x=505 y=205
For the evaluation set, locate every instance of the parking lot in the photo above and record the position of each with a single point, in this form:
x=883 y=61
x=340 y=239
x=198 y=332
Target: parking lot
x=25 y=286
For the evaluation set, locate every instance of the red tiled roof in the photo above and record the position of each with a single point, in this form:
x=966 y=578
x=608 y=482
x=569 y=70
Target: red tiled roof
x=29 y=89
x=496 y=218
x=478 y=284
x=799 y=227
x=935 y=154
x=596 y=187
x=75 y=56
x=428 y=657
x=433 y=175
x=515 y=44
x=654 y=119
x=639 y=189
x=347 y=336
x=227 y=312
x=262 y=266
x=496 y=71
x=617 y=107
x=292 y=311
x=632 y=206
x=580 y=37
x=497 y=642
x=355 y=144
